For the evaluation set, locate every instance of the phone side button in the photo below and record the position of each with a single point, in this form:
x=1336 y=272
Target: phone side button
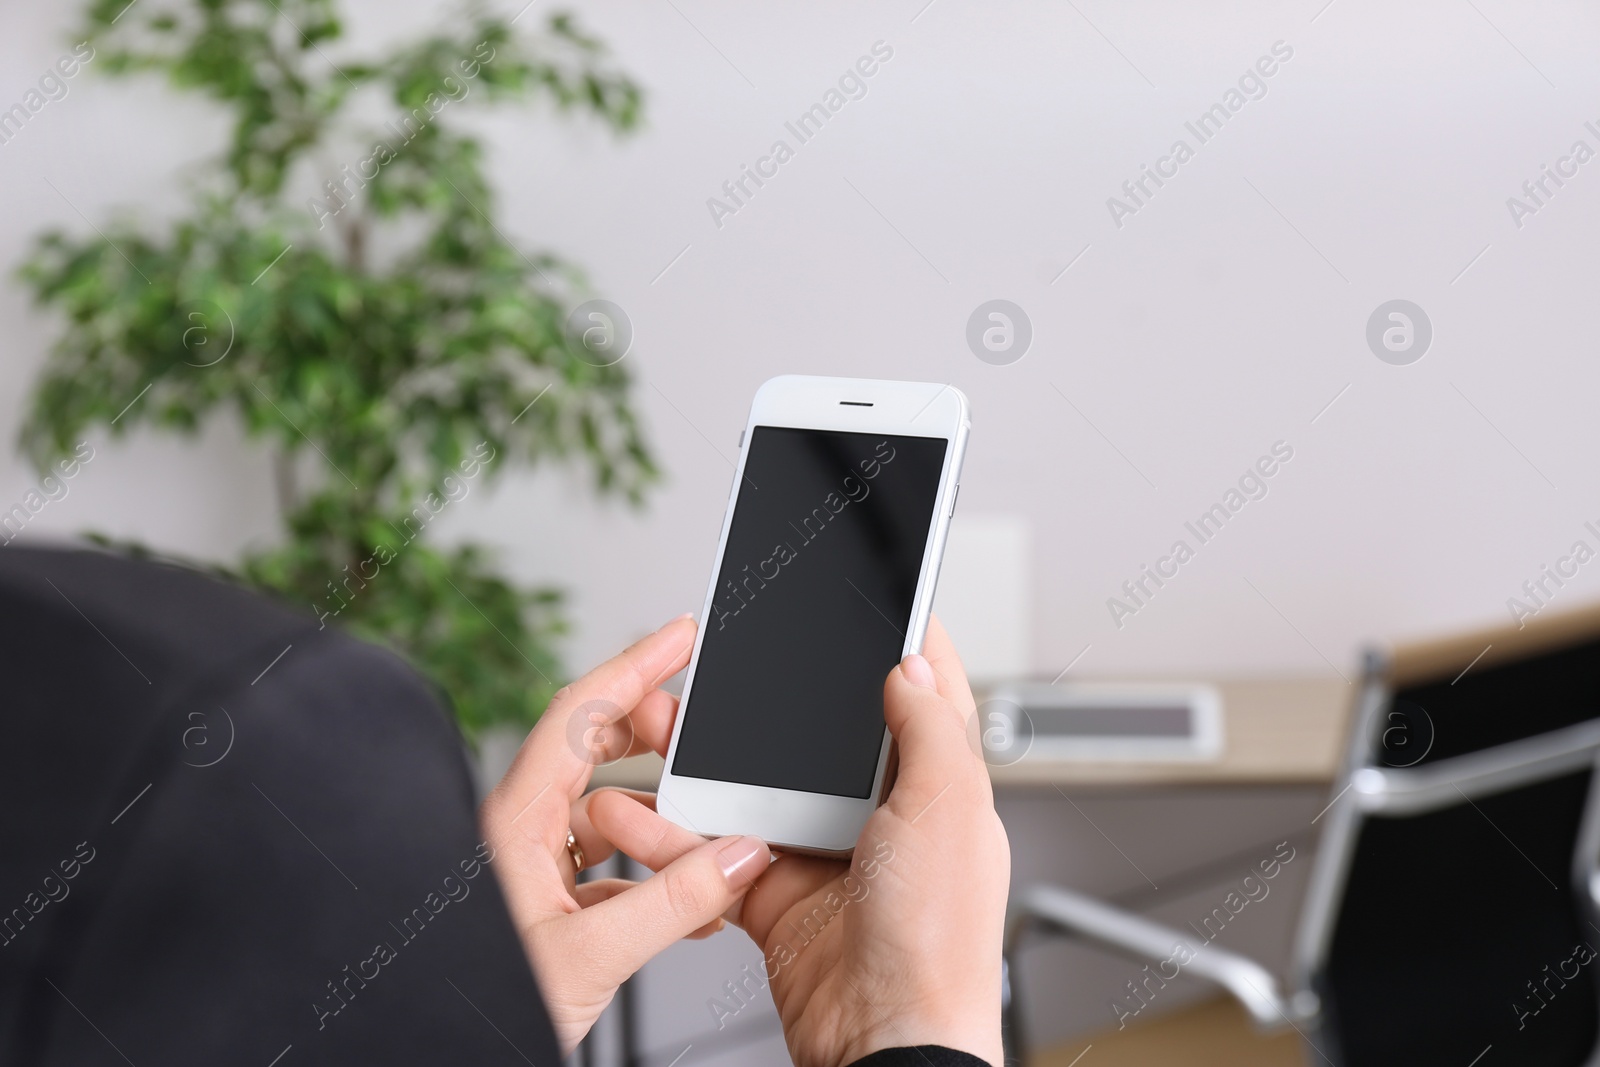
x=741 y=439
x=953 y=498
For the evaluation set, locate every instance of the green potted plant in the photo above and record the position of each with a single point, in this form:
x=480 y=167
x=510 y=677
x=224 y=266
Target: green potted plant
x=342 y=288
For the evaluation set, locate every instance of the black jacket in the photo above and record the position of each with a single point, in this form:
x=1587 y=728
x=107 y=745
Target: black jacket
x=231 y=836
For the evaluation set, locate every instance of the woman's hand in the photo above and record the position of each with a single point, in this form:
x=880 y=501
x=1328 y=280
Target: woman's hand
x=585 y=940
x=902 y=945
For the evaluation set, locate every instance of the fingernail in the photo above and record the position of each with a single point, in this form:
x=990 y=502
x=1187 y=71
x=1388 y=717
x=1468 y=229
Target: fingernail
x=741 y=859
x=917 y=671
x=675 y=618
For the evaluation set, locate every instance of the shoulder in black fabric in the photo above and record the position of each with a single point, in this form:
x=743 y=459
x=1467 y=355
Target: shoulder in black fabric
x=259 y=839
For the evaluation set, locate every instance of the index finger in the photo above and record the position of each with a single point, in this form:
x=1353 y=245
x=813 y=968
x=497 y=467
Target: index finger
x=550 y=759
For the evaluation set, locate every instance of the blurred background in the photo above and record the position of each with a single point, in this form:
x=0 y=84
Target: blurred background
x=1162 y=338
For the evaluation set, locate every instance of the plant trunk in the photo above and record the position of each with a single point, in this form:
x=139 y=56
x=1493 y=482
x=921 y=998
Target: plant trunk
x=284 y=482
x=355 y=246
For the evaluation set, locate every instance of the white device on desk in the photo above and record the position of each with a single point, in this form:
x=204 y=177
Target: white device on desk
x=1093 y=721
x=824 y=579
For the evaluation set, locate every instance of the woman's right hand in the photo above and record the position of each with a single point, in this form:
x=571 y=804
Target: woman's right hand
x=901 y=946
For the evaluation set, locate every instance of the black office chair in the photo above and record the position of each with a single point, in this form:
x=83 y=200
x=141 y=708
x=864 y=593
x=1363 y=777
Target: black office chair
x=1451 y=917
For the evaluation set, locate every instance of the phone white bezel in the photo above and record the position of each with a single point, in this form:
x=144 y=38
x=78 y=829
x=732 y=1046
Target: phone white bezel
x=789 y=819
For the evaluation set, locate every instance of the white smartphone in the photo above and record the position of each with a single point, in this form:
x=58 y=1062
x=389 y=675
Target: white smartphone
x=823 y=581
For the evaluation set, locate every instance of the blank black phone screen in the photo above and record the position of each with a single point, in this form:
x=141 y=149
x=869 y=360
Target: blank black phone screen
x=812 y=604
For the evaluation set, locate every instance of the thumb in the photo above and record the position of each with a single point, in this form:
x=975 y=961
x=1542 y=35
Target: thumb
x=691 y=891
x=931 y=731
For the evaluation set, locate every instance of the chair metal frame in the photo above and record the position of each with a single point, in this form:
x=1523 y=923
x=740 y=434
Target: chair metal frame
x=1363 y=788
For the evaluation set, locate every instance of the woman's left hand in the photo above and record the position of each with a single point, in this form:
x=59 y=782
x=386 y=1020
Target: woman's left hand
x=585 y=940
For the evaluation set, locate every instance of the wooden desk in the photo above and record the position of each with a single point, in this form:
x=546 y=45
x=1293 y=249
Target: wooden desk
x=1276 y=731
x=1216 y=1033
